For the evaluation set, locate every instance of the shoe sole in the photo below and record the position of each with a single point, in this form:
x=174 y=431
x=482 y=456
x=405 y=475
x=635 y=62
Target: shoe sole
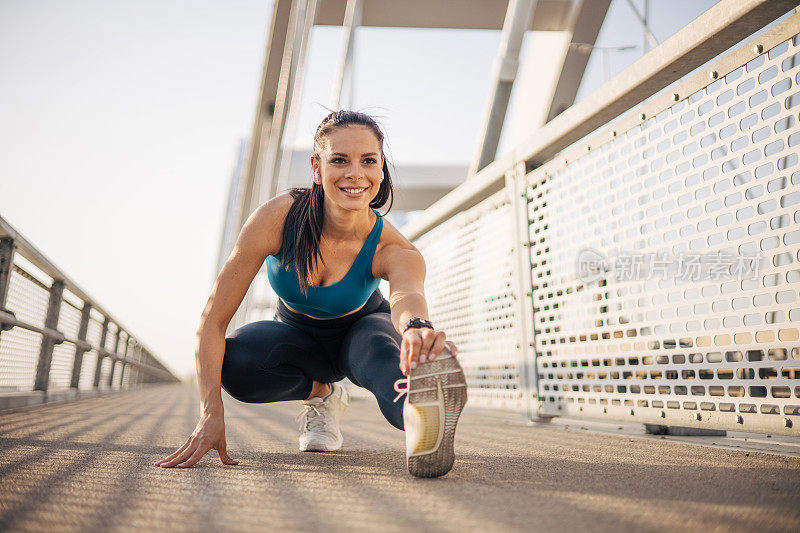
x=446 y=377
x=323 y=447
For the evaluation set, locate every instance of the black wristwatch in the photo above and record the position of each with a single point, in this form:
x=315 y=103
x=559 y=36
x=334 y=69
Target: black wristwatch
x=417 y=322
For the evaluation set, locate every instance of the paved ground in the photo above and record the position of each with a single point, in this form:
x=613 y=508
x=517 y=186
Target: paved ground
x=87 y=466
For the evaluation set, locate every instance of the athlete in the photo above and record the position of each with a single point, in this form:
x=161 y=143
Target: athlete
x=326 y=249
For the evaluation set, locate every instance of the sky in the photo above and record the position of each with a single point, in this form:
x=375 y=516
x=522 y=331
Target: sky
x=120 y=121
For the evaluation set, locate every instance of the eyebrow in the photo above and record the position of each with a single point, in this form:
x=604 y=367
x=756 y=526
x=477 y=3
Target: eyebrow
x=363 y=155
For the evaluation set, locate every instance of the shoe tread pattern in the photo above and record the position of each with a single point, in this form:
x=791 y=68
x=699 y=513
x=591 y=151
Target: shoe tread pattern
x=449 y=372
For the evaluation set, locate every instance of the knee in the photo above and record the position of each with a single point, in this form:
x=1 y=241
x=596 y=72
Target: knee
x=234 y=369
x=243 y=356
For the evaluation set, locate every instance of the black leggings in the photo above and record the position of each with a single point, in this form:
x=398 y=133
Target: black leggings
x=276 y=360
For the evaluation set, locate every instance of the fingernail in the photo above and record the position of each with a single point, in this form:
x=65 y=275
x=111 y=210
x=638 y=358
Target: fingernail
x=422 y=358
x=431 y=356
x=413 y=364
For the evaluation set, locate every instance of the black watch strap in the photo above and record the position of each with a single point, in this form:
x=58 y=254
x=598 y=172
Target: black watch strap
x=417 y=322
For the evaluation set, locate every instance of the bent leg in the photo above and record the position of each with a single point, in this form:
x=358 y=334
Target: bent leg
x=271 y=361
x=370 y=357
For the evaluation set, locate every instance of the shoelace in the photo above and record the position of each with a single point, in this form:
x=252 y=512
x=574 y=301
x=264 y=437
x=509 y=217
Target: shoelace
x=402 y=381
x=400 y=391
x=312 y=421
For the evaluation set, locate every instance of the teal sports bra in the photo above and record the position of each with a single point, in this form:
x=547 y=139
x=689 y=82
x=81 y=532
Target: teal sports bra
x=330 y=301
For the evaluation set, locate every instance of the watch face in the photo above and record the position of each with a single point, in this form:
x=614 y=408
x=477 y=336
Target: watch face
x=418 y=323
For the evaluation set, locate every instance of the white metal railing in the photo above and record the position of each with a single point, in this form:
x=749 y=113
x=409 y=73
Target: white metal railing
x=705 y=167
x=54 y=337
x=471 y=258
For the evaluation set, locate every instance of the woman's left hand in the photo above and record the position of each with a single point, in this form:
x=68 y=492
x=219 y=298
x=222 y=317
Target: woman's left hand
x=420 y=345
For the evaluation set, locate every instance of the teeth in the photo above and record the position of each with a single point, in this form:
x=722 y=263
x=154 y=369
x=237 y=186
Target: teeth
x=354 y=190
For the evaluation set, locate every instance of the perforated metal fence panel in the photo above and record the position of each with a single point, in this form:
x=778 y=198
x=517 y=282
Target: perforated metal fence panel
x=665 y=257
x=469 y=290
x=42 y=321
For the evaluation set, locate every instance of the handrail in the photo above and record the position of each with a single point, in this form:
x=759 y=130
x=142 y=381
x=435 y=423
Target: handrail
x=716 y=30
x=40 y=261
x=142 y=358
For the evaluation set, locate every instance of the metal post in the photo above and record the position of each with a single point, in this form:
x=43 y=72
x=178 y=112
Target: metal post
x=132 y=365
x=6 y=263
x=124 y=361
x=647 y=36
x=291 y=58
x=77 y=361
x=352 y=20
x=282 y=12
x=137 y=350
x=517 y=21
x=523 y=289
x=48 y=342
x=144 y=377
x=110 y=381
x=100 y=353
x=280 y=175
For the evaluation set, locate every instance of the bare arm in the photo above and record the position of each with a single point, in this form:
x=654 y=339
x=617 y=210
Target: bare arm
x=260 y=237
x=406 y=278
x=405 y=272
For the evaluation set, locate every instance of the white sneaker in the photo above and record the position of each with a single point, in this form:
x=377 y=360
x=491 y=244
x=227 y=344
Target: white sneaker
x=319 y=421
x=436 y=394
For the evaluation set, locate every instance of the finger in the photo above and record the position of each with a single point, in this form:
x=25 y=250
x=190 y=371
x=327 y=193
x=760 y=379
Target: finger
x=404 y=358
x=414 y=344
x=178 y=451
x=222 y=451
x=452 y=348
x=174 y=454
x=438 y=346
x=428 y=338
x=182 y=457
x=196 y=456
x=226 y=459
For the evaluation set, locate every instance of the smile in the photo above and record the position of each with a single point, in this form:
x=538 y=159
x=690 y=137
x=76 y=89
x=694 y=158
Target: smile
x=353 y=192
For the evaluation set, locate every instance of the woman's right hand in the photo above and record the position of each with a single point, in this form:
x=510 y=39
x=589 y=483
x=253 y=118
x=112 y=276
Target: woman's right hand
x=208 y=435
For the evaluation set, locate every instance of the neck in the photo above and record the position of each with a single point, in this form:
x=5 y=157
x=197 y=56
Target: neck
x=344 y=224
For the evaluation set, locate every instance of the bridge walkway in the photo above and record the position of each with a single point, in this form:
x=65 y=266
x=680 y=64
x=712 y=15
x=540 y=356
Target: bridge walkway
x=88 y=466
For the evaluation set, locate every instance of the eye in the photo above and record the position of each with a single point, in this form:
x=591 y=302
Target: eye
x=371 y=160
x=335 y=159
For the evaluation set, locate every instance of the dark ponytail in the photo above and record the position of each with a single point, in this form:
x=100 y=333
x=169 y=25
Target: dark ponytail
x=302 y=229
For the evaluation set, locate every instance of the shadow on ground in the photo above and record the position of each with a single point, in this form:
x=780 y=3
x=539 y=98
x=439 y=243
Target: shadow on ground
x=88 y=466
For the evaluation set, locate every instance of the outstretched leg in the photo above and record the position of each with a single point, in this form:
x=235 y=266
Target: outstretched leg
x=370 y=357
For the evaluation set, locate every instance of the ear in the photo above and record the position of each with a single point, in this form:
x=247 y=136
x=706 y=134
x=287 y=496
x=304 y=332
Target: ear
x=314 y=168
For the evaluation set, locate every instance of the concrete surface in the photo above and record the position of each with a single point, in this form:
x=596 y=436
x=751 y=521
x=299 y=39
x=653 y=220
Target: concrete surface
x=88 y=466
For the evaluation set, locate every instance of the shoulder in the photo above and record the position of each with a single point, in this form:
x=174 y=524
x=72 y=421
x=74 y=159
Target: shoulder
x=395 y=252
x=268 y=219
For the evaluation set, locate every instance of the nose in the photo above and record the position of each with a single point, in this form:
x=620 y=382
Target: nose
x=355 y=171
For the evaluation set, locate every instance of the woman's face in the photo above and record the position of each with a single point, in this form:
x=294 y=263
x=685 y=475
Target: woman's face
x=352 y=159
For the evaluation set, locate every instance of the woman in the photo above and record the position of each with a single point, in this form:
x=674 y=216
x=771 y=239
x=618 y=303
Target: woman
x=324 y=329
